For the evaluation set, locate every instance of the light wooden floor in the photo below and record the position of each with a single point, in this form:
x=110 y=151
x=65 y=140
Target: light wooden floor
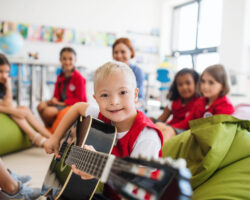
x=33 y=161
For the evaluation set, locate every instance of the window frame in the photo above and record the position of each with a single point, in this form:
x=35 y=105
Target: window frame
x=196 y=51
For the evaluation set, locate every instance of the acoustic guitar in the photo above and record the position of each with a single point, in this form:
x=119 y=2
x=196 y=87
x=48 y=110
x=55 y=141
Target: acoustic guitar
x=130 y=177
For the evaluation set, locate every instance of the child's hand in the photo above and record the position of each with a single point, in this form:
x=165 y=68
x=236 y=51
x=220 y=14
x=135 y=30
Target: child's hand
x=84 y=175
x=8 y=82
x=51 y=146
x=54 y=101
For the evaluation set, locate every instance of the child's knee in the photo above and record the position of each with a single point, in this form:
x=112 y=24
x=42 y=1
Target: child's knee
x=50 y=112
x=41 y=106
x=25 y=110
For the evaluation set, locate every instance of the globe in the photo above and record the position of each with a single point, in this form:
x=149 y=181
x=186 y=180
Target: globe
x=11 y=43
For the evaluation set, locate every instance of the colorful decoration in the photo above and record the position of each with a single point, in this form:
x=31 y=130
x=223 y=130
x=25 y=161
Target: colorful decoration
x=80 y=37
x=46 y=34
x=69 y=36
x=58 y=35
x=23 y=30
x=34 y=33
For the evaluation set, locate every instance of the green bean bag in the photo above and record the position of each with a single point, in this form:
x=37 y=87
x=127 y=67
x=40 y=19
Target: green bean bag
x=217 y=151
x=11 y=136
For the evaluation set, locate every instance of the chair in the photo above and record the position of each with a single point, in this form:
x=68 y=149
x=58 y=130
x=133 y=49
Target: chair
x=12 y=138
x=217 y=151
x=163 y=78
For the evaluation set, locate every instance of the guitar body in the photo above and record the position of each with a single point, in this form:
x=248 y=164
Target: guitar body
x=60 y=182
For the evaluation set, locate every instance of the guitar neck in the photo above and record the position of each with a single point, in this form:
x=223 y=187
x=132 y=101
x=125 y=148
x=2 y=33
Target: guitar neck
x=94 y=163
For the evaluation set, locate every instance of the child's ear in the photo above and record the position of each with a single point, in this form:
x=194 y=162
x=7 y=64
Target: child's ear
x=94 y=96
x=136 y=94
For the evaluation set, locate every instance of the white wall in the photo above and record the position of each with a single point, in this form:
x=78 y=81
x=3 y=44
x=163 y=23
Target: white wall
x=87 y=15
x=235 y=43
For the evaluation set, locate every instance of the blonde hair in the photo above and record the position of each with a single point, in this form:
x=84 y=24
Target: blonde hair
x=114 y=66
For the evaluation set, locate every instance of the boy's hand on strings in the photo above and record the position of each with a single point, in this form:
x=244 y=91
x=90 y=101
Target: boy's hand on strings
x=51 y=146
x=84 y=175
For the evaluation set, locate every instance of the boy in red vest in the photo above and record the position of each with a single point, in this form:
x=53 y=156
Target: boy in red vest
x=116 y=95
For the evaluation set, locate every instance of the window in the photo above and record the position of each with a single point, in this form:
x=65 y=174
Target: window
x=196 y=33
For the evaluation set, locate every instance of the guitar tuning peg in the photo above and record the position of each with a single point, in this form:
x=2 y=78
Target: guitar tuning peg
x=154 y=159
x=161 y=161
x=169 y=160
x=180 y=163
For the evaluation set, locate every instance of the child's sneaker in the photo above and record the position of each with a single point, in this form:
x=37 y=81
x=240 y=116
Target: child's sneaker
x=19 y=178
x=24 y=193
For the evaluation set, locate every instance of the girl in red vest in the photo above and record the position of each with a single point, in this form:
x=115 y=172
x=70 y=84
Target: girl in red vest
x=213 y=86
x=70 y=88
x=182 y=95
x=116 y=95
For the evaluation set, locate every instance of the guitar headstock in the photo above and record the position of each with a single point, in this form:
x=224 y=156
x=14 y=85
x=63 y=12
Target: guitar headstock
x=151 y=179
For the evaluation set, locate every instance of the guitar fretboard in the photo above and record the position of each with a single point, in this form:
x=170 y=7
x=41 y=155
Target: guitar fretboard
x=88 y=161
x=93 y=162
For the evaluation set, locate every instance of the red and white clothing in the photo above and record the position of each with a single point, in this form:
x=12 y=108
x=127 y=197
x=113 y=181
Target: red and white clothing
x=75 y=88
x=221 y=105
x=180 y=111
x=143 y=138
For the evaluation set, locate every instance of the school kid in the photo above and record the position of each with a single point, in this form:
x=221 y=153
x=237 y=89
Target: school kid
x=70 y=88
x=116 y=95
x=213 y=86
x=20 y=114
x=182 y=95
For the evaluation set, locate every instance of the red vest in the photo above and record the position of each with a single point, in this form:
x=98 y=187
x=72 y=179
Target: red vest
x=124 y=146
x=75 y=91
x=221 y=105
x=179 y=111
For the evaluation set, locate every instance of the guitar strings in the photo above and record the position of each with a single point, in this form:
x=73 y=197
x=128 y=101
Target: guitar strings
x=87 y=160
x=94 y=162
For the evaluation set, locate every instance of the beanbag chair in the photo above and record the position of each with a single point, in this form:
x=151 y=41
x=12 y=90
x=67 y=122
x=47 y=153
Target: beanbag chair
x=11 y=136
x=217 y=151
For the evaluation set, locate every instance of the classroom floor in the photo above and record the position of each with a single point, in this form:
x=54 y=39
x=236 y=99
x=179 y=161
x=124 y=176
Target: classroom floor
x=33 y=161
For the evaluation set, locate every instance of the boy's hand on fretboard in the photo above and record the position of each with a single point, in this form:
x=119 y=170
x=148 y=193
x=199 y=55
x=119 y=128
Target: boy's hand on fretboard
x=84 y=175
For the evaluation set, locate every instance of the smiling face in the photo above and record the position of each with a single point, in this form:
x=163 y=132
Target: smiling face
x=122 y=53
x=116 y=97
x=4 y=73
x=209 y=87
x=186 y=86
x=68 y=60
